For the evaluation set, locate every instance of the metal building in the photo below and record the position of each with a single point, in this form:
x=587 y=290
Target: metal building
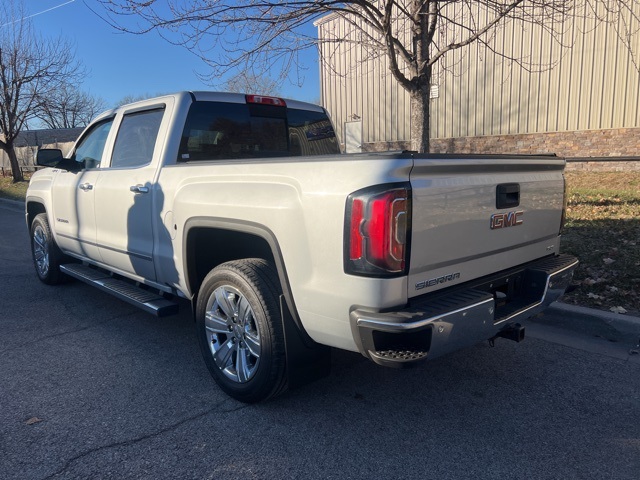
x=584 y=102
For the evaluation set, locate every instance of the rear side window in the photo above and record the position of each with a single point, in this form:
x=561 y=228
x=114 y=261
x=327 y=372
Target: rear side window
x=217 y=130
x=136 y=139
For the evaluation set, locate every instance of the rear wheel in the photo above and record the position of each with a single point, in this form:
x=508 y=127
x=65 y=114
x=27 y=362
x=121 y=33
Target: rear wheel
x=240 y=329
x=47 y=257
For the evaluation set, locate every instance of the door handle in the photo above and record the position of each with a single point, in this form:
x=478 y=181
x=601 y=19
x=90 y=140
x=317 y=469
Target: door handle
x=139 y=189
x=85 y=187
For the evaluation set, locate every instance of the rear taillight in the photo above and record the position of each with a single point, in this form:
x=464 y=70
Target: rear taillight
x=377 y=227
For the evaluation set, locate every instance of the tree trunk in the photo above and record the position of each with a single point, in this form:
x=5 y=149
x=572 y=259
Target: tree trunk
x=420 y=119
x=13 y=162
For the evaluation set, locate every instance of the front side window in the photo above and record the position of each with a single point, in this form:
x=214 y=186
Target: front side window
x=89 y=150
x=136 y=139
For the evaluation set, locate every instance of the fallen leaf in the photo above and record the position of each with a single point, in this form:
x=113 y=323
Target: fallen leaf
x=618 y=310
x=612 y=289
x=589 y=281
x=33 y=420
x=594 y=296
x=608 y=261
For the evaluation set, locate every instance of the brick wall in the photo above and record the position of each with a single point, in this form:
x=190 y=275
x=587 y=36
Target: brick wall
x=621 y=142
x=612 y=164
x=593 y=150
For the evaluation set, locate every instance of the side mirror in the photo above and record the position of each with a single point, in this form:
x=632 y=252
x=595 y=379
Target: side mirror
x=52 y=157
x=49 y=157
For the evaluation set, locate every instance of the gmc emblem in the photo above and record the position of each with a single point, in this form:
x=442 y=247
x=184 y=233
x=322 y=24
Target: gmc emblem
x=508 y=219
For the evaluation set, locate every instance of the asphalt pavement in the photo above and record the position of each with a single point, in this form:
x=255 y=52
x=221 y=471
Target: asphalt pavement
x=91 y=387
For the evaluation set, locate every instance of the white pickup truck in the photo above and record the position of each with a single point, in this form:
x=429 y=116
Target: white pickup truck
x=242 y=205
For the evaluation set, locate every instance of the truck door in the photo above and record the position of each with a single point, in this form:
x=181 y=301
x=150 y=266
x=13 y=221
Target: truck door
x=126 y=195
x=73 y=195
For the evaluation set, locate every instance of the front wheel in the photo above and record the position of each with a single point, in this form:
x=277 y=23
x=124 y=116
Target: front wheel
x=240 y=329
x=47 y=257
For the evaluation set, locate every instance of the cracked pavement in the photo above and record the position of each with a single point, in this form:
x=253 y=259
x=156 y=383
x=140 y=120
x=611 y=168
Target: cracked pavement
x=90 y=387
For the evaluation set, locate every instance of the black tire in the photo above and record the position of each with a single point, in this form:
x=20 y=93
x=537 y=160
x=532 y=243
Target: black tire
x=240 y=330
x=46 y=255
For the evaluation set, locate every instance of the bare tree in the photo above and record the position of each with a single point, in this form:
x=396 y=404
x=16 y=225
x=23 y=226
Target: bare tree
x=32 y=70
x=414 y=35
x=248 y=82
x=69 y=107
x=132 y=98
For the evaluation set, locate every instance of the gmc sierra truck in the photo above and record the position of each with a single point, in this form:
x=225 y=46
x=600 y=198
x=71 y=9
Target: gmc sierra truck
x=244 y=206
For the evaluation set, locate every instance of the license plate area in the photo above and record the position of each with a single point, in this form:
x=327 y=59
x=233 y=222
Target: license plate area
x=511 y=293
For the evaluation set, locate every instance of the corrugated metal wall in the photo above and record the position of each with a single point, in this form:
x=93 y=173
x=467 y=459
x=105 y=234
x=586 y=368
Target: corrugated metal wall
x=593 y=85
x=356 y=86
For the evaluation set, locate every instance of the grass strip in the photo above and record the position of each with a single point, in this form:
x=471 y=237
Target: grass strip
x=603 y=231
x=13 y=191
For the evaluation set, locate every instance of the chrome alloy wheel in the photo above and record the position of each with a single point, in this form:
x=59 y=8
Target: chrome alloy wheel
x=41 y=251
x=232 y=334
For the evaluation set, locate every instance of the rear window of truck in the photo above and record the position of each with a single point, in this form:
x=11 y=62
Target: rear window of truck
x=218 y=131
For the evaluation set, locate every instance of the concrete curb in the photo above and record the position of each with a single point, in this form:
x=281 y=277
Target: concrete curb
x=576 y=318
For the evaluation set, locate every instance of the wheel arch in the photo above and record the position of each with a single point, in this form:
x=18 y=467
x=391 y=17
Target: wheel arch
x=306 y=360
x=34 y=207
x=240 y=239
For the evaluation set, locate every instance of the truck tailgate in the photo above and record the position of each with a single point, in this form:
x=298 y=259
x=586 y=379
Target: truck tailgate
x=479 y=215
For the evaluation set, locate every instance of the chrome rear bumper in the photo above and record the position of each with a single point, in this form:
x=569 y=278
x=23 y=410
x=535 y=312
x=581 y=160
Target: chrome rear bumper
x=465 y=315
